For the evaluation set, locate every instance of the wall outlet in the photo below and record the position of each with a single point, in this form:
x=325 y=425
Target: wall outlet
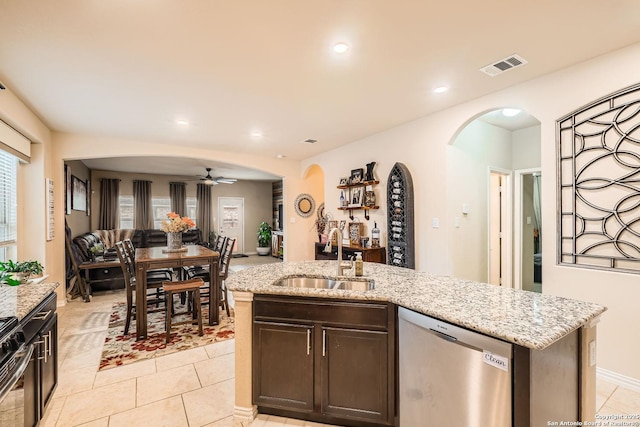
x=456 y=222
x=292 y=220
x=435 y=222
x=528 y=220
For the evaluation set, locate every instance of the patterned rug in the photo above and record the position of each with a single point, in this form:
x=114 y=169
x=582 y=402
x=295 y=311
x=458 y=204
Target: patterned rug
x=120 y=349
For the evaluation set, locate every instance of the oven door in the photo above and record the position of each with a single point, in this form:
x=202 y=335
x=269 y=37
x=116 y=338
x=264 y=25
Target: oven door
x=16 y=392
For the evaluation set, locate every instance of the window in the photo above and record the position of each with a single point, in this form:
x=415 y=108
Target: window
x=126 y=211
x=160 y=206
x=8 y=202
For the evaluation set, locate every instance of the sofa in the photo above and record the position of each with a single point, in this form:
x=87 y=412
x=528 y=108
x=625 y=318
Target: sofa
x=111 y=277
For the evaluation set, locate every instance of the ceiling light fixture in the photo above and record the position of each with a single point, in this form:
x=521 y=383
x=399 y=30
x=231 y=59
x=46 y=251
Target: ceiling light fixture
x=441 y=89
x=256 y=134
x=340 y=47
x=182 y=122
x=280 y=156
x=510 y=112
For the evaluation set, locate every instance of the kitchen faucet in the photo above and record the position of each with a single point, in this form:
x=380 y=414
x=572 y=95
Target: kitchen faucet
x=341 y=265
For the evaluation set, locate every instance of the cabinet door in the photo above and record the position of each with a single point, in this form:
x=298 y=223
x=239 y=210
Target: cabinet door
x=48 y=360
x=354 y=374
x=283 y=366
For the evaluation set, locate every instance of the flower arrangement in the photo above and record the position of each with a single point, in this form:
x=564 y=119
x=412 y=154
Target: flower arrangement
x=176 y=223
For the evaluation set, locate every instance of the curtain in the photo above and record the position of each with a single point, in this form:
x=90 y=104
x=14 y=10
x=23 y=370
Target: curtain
x=142 y=215
x=109 y=193
x=203 y=210
x=178 y=195
x=537 y=208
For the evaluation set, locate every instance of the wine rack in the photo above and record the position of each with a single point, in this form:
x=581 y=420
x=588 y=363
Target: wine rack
x=400 y=217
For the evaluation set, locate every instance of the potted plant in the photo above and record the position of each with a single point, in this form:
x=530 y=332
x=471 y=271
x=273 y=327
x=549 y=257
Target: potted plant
x=13 y=273
x=264 y=239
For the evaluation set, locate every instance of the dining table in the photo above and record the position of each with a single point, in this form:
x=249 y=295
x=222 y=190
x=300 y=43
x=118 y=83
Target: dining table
x=161 y=257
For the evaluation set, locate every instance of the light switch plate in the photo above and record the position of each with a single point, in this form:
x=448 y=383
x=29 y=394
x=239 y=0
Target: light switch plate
x=435 y=223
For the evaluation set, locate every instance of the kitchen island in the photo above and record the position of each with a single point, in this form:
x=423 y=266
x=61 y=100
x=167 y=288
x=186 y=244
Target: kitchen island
x=532 y=322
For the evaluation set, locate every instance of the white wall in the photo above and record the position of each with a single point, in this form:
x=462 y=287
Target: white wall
x=479 y=147
x=422 y=146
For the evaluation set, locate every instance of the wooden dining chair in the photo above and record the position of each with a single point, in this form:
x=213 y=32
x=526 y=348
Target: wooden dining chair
x=154 y=282
x=192 y=289
x=203 y=273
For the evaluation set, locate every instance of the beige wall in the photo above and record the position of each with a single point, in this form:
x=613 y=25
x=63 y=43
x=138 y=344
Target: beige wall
x=422 y=146
x=257 y=197
x=79 y=222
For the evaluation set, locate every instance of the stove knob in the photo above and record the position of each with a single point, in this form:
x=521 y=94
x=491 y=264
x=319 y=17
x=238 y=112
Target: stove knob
x=6 y=347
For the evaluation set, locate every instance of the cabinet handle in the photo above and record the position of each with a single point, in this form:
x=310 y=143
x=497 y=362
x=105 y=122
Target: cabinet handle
x=324 y=342
x=46 y=346
x=42 y=315
x=50 y=341
x=308 y=341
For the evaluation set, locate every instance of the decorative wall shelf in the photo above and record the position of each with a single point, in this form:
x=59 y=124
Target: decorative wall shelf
x=365 y=209
x=400 y=217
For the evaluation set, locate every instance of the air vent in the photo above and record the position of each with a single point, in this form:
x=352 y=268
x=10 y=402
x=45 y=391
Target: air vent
x=310 y=141
x=503 y=65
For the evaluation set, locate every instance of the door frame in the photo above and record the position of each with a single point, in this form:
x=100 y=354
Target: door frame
x=507 y=226
x=240 y=240
x=517 y=232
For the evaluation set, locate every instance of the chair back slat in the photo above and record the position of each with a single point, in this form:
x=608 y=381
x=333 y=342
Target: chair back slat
x=128 y=271
x=225 y=259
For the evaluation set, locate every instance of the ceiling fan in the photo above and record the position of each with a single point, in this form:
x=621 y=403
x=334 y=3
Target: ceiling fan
x=209 y=180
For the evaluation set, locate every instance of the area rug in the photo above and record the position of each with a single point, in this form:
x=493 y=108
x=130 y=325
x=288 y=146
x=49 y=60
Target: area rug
x=120 y=349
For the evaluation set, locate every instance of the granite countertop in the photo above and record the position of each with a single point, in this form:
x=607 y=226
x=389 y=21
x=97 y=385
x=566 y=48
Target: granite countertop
x=20 y=300
x=528 y=319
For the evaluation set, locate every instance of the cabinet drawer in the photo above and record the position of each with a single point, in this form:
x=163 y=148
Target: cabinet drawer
x=328 y=312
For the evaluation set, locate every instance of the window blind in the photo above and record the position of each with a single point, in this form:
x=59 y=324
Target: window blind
x=8 y=199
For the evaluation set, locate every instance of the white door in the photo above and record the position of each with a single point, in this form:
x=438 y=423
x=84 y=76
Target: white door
x=231 y=220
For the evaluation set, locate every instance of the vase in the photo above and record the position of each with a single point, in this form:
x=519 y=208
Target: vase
x=174 y=241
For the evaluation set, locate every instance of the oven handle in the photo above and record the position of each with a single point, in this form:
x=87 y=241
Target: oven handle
x=18 y=371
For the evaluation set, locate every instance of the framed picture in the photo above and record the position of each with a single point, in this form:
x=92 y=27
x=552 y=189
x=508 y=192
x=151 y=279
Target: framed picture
x=357 y=175
x=78 y=194
x=344 y=181
x=355 y=198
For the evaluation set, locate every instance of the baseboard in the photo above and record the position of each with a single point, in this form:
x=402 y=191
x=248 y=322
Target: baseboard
x=618 y=379
x=243 y=416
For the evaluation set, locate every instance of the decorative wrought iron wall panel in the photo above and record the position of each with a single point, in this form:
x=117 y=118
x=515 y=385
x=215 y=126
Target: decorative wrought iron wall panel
x=400 y=227
x=598 y=166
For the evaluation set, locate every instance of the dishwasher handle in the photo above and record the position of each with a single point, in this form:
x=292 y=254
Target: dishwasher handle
x=443 y=335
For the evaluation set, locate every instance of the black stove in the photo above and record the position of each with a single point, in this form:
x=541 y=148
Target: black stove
x=12 y=339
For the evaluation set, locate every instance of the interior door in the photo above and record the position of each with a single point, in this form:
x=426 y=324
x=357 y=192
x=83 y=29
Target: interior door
x=231 y=220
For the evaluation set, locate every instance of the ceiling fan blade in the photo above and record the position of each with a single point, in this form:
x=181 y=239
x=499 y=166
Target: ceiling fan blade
x=222 y=180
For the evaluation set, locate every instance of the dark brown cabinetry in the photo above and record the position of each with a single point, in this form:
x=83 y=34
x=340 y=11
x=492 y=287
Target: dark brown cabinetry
x=368 y=254
x=324 y=360
x=41 y=330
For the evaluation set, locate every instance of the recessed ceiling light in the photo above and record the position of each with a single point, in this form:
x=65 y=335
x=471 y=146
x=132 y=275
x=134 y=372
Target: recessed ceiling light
x=340 y=47
x=280 y=156
x=182 y=122
x=256 y=134
x=510 y=112
x=441 y=89
x=310 y=141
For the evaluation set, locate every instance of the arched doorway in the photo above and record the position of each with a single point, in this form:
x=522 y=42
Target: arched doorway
x=491 y=162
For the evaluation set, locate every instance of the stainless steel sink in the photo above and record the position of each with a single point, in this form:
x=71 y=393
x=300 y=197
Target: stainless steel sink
x=324 y=283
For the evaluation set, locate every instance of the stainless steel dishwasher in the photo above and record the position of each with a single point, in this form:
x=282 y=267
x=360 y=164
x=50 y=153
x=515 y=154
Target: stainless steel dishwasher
x=450 y=376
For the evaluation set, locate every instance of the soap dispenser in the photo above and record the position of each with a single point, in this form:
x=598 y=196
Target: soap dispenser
x=359 y=263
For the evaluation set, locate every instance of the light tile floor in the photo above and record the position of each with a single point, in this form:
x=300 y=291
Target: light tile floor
x=190 y=388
